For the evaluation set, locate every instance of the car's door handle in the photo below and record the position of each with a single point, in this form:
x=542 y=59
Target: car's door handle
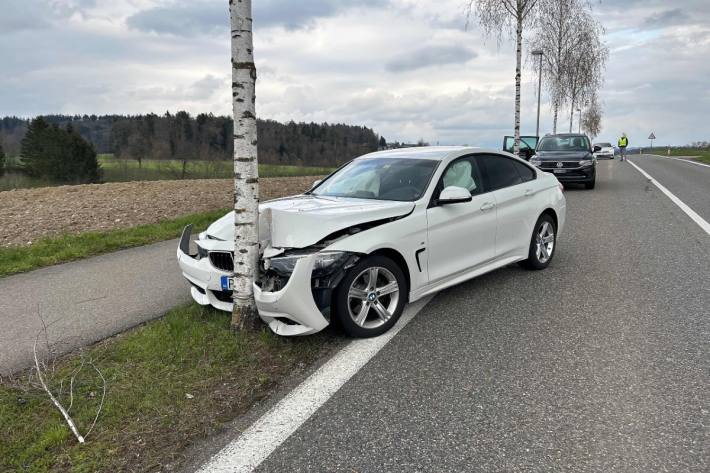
x=487 y=206
x=529 y=192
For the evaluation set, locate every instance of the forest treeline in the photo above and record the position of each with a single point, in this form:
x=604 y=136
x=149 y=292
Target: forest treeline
x=203 y=137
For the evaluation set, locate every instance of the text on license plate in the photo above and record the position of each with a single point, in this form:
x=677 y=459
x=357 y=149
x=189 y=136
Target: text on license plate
x=227 y=283
x=559 y=171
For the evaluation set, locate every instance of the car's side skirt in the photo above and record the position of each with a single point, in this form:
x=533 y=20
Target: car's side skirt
x=462 y=276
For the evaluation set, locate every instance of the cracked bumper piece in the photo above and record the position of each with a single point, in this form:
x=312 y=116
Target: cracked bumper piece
x=292 y=310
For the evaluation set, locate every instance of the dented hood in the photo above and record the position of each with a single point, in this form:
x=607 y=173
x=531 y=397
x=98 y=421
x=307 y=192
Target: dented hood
x=300 y=221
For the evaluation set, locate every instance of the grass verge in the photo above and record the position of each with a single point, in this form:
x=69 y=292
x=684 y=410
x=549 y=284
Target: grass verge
x=702 y=155
x=170 y=382
x=54 y=250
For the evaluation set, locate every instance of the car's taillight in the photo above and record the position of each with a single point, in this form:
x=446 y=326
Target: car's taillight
x=562 y=188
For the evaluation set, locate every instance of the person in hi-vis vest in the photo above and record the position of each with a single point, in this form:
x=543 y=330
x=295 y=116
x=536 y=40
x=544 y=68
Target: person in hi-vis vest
x=623 y=143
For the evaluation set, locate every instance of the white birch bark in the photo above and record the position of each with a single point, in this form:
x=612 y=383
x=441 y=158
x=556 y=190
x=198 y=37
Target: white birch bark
x=518 y=66
x=246 y=172
x=554 y=118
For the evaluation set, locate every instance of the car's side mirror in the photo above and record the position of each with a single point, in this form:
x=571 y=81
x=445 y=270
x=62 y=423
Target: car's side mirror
x=597 y=148
x=454 y=195
x=315 y=183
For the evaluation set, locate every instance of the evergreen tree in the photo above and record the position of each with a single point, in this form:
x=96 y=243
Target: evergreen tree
x=2 y=160
x=60 y=155
x=34 y=152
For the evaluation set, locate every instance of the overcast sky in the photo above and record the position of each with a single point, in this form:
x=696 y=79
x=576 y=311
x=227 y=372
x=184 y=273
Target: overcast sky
x=406 y=68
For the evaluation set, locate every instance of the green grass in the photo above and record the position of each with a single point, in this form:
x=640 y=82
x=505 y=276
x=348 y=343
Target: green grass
x=148 y=418
x=703 y=155
x=54 y=250
x=17 y=180
x=120 y=170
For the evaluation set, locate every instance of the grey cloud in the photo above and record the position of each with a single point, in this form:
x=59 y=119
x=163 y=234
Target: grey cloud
x=189 y=19
x=666 y=18
x=210 y=16
x=207 y=86
x=297 y=15
x=21 y=15
x=430 y=56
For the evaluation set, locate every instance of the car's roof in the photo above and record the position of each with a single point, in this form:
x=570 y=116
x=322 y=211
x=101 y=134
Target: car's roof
x=437 y=153
x=565 y=135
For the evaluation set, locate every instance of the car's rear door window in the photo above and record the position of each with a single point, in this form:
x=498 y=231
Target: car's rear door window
x=498 y=171
x=526 y=172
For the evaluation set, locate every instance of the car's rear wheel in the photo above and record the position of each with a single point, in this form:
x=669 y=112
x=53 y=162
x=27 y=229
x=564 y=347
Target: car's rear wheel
x=542 y=243
x=371 y=297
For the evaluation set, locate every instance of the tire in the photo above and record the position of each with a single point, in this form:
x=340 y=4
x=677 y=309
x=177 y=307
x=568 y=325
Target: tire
x=356 y=290
x=536 y=259
x=590 y=184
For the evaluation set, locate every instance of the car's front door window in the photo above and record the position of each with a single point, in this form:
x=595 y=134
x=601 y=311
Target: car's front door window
x=463 y=173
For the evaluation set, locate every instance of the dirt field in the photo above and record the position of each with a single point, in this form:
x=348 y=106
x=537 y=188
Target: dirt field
x=29 y=214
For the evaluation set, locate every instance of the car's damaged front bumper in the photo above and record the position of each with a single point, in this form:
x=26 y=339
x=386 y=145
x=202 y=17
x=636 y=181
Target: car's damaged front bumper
x=291 y=303
x=292 y=309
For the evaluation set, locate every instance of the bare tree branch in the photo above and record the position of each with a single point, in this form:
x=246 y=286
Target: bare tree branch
x=497 y=17
x=54 y=400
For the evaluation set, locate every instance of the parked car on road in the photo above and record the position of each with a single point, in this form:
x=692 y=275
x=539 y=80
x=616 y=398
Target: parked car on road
x=606 y=151
x=386 y=228
x=569 y=156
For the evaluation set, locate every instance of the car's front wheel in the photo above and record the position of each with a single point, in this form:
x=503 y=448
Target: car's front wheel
x=371 y=297
x=542 y=243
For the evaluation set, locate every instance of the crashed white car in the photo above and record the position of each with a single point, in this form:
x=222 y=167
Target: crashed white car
x=387 y=228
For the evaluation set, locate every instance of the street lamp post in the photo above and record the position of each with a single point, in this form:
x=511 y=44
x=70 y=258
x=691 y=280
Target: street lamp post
x=539 y=53
x=579 y=125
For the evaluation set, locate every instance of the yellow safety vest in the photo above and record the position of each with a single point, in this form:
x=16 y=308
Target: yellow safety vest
x=623 y=142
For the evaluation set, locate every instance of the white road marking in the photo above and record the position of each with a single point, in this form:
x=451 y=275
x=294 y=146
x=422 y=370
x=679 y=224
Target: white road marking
x=683 y=206
x=682 y=160
x=258 y=441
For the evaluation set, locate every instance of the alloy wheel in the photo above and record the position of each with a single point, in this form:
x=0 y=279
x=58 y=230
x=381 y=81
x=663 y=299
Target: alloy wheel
x=544 y=242
x=373 y=297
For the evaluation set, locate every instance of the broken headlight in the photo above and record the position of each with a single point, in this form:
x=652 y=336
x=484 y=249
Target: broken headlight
x=325 y=263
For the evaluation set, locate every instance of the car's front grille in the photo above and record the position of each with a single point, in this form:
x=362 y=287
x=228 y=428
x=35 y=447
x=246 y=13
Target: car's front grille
x=554 y=165
x=222 y=260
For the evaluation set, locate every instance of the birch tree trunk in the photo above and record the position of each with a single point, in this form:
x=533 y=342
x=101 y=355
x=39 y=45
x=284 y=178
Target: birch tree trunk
x=571 y=115
x=246 y=171
x=554 y=118
x=518 y=66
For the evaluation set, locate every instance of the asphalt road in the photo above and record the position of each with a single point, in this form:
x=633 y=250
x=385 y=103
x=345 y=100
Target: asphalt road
x=86 y=301
x=690 y=182
x=599 y=363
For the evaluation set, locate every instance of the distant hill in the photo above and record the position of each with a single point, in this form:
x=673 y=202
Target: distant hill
x=205 y=137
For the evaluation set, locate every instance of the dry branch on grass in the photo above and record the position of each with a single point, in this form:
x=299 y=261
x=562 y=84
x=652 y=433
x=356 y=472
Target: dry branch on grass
x=45 y=367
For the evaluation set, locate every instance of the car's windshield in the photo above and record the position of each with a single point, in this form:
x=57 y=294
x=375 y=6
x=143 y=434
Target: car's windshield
x=604 y=145
x=402 y=179
x=564 y=143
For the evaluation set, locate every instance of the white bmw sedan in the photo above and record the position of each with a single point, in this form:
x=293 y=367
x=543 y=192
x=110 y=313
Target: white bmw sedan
x=385 y=229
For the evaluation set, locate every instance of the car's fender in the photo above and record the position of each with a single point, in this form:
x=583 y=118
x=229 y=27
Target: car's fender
x=407 y=236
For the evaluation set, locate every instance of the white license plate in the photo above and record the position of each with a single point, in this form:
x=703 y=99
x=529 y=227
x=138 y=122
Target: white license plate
x=227 y=283
x=559 y=171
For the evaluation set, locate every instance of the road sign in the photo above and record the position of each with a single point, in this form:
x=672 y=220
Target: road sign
x=651 y=136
